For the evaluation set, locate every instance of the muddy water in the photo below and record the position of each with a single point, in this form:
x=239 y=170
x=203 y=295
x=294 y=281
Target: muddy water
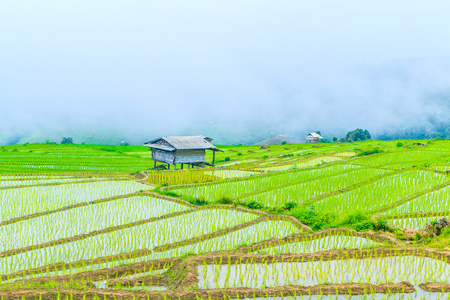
x=415 y=270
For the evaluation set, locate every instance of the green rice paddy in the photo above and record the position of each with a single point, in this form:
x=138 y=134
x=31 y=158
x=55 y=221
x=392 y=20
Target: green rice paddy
x=97 y=222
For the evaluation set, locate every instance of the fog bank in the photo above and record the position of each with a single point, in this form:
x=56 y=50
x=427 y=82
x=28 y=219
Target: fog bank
x=107 y=71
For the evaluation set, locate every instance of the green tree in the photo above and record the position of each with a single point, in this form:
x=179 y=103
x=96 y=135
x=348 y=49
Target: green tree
x=357 y=135
x=67 y=140
x=334 y=139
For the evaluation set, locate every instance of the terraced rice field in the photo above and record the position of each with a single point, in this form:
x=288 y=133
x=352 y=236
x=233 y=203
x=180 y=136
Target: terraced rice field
x=375 y=271
x=293 y=221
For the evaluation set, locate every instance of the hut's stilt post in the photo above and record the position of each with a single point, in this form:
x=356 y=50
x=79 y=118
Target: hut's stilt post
x=168 y=166
x=182 y=166
x=154 y=165
x=214 y=157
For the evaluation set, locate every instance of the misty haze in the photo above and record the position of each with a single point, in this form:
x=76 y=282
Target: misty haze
x=239 y=71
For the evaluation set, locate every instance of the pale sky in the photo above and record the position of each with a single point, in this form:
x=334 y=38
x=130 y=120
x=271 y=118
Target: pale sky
x=181 y=66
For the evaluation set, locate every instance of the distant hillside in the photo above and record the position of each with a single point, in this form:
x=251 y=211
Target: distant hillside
x=111 y=134
x=96 y=136
x=429 y=126
x=278 y=139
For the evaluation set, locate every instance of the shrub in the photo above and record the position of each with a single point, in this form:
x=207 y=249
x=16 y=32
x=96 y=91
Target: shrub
x=367 y=151
x=446 y=232
x=290 y=205
x=316 y=220
x=277 y=210
x=169 y=193
x=200 y=202
x=364 y=225
x=227 y=159
x=319 y=220
x=187 y=254
x=254 y=205
x=417 y=236
x=399 y=144
x=399 y=234
x=354 y=218
x=225 y=200
x=382 y=225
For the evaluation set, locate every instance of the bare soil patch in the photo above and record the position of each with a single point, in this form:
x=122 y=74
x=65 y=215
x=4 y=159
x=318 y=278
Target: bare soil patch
x=216 y=294
x=435 y=287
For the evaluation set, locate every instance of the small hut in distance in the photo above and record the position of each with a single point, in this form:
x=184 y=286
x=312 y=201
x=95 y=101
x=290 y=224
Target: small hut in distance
x=313 y=137
x=189 y=150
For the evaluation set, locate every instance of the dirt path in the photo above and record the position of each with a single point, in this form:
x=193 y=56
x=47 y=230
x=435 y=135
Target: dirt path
x=215 y=294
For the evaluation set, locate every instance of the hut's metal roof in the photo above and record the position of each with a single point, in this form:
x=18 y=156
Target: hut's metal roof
x=315 y=135
x=158 y=146
x=182 y=143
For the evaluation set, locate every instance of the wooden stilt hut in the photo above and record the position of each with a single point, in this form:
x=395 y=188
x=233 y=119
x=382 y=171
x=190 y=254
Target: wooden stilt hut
x=189 y=150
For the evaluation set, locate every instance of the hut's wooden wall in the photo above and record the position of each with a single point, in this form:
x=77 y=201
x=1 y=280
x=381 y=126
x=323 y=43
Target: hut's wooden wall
x=163 y=156
x=179 y=156
x=189 y=156
x=311 y=139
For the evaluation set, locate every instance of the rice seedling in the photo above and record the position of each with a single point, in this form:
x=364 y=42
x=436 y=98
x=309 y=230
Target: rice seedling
x=230 y=173
x=15 y=203
x=412 y=223
x=432 y=202
x=403 y=159
x=374 y=270
x=346 y=154
x=145 y=236
x=83 y=220
x=237 y=188
x=14 y=181
x=42 y=202
x=246 y=236
x=304 y=164
x=383 y=192
x=299 y=193
x=330 y=242
x=20 y=159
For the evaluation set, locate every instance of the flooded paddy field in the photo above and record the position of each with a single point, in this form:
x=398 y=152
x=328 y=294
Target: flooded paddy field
x=295 y=222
